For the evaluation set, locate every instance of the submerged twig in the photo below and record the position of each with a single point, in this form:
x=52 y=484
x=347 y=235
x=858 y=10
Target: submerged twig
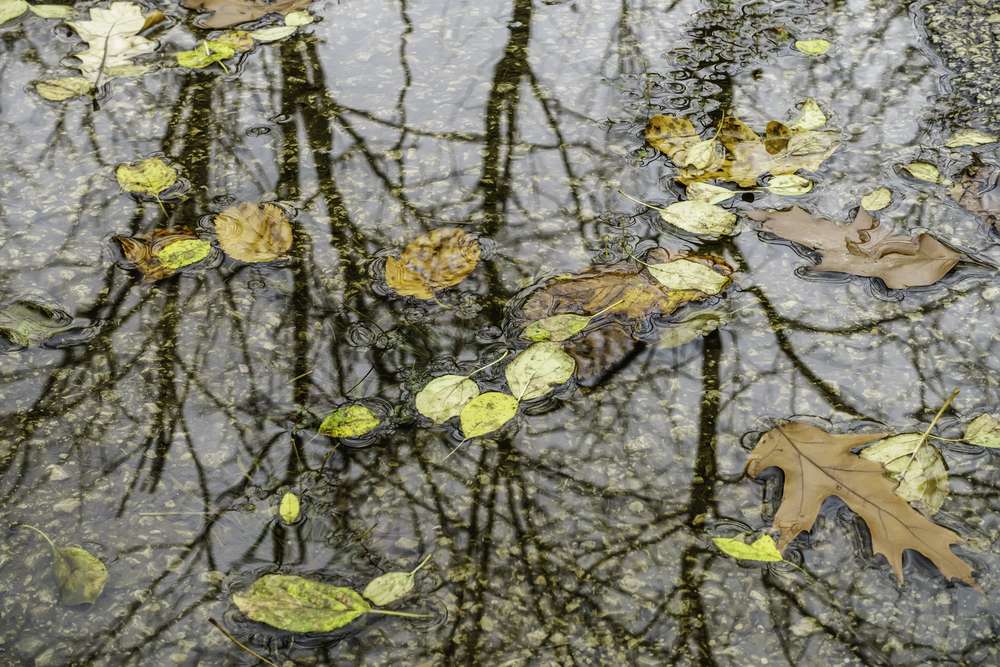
x=242 y=646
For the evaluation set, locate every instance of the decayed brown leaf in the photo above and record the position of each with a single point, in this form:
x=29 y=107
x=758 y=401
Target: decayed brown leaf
x=143 y=251
x=437 y=260
x=252 y=232
x=977 y=190
x=747 y=156
x=818 y=465
x=226 y=13
x=862 y=248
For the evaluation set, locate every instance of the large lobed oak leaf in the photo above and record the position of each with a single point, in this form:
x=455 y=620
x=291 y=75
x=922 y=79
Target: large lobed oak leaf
x=818 y=465
x=226 y=13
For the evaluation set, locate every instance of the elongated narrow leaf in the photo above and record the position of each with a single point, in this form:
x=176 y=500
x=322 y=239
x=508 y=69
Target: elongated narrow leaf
x=534 y=372
x=763 y=549
x=444 y=397
x=296 y=604
x=58 y=90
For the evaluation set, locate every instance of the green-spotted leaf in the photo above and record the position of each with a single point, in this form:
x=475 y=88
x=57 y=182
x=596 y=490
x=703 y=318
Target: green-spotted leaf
x=182 y=253
x=763 y=549
x=299 y=18
x=444 y=397
x=699 y=217
x=789 y=185
x=984 y=431
x=79 y=574
x=296 y=604
x=813 y=47
x=58 y=90
x=708 y=193
x=146 y=177
x=289 y=508
x=273 y=34
x=811 y=117
x=486 y=413
x=349 y=421
x=534 y=372
x=392 y=586
x=52 y=11
x=877 y=199
x=926 y=478
x=970 y=137
x=925 y=171
x=683 y=274
x=556 y=327
x=11 y=9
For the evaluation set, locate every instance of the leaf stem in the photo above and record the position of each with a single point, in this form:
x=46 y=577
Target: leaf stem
x=160 y=202
x=401 y=614
x=242 y=646
x=492 y=363
x=40 y=532
x=639 y=201
x=422 y=563
x=923 y=438
x=454 y=450
x=607 y=308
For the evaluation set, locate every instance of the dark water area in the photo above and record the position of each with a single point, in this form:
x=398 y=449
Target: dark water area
x=158 y=425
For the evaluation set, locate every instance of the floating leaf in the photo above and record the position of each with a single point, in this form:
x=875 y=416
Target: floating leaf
x=813 y=47
x=146 y=177
x=292 y=603
x=52 y=11
x=925 y=480
x=556 y=327
x=984 y=431
x=26 y=323
x=818 y=465
x=706 y=192
x=273 y=34
x=147 y=252
x=789 y=185
x=925 y=171
x=684 y=274
x=225 y=13
x=862 y=248
x=349 y=421
x=670 y=135
x=877 y=199
x=763 y=549
x=299 y=18
x=776 y=136
x=289 y=508
x=392 y=586
x=437 y=260
x=183 y=253
x=444 y=397
x=703 y=154
x=970 y=137
x=977 y=190
x=113 y=40
x=80 y=575
x=696 y=326
x=486 y=413
x=534 y=372
x=58 y=90
x=205 y=54
x=699 y=217
x=11 y=9
x=252 y=232
x=811 y=117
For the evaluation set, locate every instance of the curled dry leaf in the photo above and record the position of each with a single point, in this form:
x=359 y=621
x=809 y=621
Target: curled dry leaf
x=763 y=548
x=486 y=413
x=349 y=421
x=977 y=190
x=922 y=478
x=226 y=13
x=162 y=253
x=818 y=465
x=862 y=248
x=254 y=232
x=440 y=259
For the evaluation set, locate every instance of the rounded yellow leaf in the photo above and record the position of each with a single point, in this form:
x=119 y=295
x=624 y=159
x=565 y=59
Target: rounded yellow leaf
x=877 y=199
x=556 y=327
x=11 y=9
x=289 y=509
x=683 y=274
x=349 y=421
x=251 y=232
x=534 y=372
x=813 y=47
x=273 y=34
x=444 y=397
x=146 y=177
x=486 y=413
x=299 y=18
x=925 y=171
x=789 y=185
x=182 y=253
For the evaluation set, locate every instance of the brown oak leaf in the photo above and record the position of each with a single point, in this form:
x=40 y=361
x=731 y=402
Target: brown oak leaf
x=818 y=464
x=977 y=190
x=434 y=261
x=225 y=13
x=863 y=248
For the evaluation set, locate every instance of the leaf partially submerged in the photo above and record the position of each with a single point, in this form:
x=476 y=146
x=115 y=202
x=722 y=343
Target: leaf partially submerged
x=79 y=574
x=763 y=548
x=440 y=259
x=223 y=47
x=818 y=465
x=226 y=13
x=349 y=421
x=254 y=232
x=862 y=248
x=392 y=586
x=924 y=171
x=970 y=137
x=984 y=431
x=59 y=90
x=684 y=274
x=163 y=252
x=486 y=413
x=26 y=323
x=537 y=370
x=917 y=468
x=112 y=35
x=296 y=604
x=148 y=177
x=444 y=397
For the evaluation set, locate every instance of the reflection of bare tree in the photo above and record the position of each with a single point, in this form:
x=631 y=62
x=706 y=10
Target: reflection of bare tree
x=579 y=537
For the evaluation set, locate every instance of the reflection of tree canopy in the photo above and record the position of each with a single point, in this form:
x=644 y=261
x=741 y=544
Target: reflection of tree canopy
x=582 y=536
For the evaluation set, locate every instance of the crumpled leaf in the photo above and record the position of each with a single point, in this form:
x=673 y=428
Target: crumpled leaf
x=811 y=116
x=51 y=11
x=444 y=397
x=26 y=323
x=535 y=371
x=289 y=508
x=984 y=431
x=706 y=192
x=926 y=478
x=59 y=90
x=487 y=413
x=11 y=9
x=699 y=217
x=392 y=586
x=154 y=256
x=877 y=199
x=684 y=274
x=254 y=232
x=812 y=47
x=862 y=248
x=113 y=40
x=977 y=190
x=147 y=177
x=925 y=171
x=349 y=421
x=79 y=574
x=296 y=604
x=226 y=13
x=434 y=261
x=763 y=548
x=818 y=465
x=273 y=34
x=970 y=137
x=209 y=51
x=789 y=185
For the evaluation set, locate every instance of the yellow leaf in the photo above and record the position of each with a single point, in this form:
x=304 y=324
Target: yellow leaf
x=925 y=171
x=699 y=217
x=486 y=413
x=440 y=259
x=789 y=185
x=58 y=90
x=763 y=549
x=706 y=192
x=813 y=47
x=970 y=137
x=252 y=232
x=877 y=199
x=683 y=274
x=349 y=421
x=811 y=117
x=289 y=509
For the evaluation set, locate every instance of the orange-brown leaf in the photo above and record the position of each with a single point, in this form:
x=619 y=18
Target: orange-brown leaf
x=225 y=13
x=437 y=260
x=142 y=251
x=252 y=232
x=818 y=465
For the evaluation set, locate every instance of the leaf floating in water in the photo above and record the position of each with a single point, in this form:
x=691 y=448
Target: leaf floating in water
x=917 y=467
x=925 y=171
x=296 y=604
x=226 y=13
x=862 y=248
x=299 y=18
x=556 y=327
x=813 y=47
x=51 y=11
x=711 y=194
x=440 y=259
x=789 y=185
x=112 y=35
x=289 y=508
x=349 y=421
x=210 y=51
x=697 y=217
x=179 y=254
x=81 y=576
x=877 y=199
x=11 y=9
x=392 y=586
x=977 y=190
x=26 y=323
x=984 y=431
x=685 y=274
x=251 y=232
x=444 y=397
x=155 y=255
x=696 y=326
x=273 y=34
x=148 y=177
x=670 y=134
x=763 y=548
x=970 y=137
x=59 y=90
x=487 y=413
x=811 y=116
x=536 y=371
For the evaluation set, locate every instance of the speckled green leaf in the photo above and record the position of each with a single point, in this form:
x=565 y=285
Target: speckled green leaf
x=81 y=575
x=556 y=327
x=486 y=413
x=289 y=508
x=763 y=549
x=444 y=397
x=534 y=372
x=984 y=431
x=349 y=421
x=148 y=177
x=183 y=253
x=297 y=604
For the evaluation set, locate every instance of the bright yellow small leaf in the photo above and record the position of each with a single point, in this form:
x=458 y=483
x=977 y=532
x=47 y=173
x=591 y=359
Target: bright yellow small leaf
x=763 y=549
x=813 y=47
